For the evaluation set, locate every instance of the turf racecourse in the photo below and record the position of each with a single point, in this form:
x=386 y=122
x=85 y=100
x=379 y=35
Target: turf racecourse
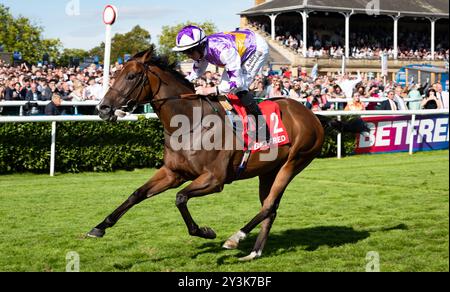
x=331 y=217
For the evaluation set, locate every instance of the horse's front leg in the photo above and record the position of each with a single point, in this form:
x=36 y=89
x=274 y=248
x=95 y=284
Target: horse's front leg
x=204 y=185
x=163 y=180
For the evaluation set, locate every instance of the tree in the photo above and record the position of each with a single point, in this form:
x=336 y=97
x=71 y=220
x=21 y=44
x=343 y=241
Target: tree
x=19 y=34
x=66 y=54
x=52 y=47
x=167 y=39
x=132 y=42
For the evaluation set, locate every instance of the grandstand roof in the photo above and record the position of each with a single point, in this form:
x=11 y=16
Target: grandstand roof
x=421 y=8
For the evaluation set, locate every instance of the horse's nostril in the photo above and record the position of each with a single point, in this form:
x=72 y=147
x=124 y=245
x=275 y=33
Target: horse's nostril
x=105 y=108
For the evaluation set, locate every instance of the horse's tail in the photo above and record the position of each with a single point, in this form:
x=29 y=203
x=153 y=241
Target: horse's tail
x=354 y=125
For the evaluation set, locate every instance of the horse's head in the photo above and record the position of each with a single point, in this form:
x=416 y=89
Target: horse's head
x=131 y=88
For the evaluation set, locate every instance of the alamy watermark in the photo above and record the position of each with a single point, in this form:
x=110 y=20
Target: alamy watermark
x=72 y=262
x=212 y=133
x=373 y=7
x=373 y=262
x=73 y=8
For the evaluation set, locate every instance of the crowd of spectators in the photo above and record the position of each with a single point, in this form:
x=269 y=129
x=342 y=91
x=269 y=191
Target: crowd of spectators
x=365 y=44
x=337 y=92
x=33 y=84
x=330 y=92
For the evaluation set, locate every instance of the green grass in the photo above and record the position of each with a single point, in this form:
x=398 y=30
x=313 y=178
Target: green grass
x=331 y=216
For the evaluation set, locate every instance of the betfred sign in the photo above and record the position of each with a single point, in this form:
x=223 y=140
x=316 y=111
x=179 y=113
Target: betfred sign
x=392 y=134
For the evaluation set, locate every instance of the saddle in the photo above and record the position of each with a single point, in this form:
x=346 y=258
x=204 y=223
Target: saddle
x=238 y=118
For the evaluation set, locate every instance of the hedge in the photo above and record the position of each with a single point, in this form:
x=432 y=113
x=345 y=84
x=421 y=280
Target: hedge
x=94 y=146
x=86 y=146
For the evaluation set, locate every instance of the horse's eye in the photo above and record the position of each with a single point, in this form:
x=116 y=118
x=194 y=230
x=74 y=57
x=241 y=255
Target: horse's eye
x=131 y=76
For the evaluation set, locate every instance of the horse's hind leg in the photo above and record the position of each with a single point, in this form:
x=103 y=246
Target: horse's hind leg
x=163 y=180
x=265 y=184
x=263 y=235
x=271 y=204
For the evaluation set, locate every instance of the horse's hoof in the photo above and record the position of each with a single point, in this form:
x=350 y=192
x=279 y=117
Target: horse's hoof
x=254 y=255
x=96 y=233
x=233 y=241
x=207 y=233
x=230 y=244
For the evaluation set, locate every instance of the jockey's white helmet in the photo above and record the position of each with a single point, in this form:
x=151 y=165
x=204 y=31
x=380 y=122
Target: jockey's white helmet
x=189 y=37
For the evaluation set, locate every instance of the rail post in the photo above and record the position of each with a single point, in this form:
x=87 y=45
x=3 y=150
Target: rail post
x=411 y=135
x=53 y=150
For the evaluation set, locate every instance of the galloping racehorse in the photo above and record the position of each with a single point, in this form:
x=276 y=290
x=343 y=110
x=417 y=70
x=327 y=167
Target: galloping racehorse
x=148 y=78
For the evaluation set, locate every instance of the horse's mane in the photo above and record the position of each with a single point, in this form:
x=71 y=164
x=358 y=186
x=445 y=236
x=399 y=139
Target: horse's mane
x=162 y=62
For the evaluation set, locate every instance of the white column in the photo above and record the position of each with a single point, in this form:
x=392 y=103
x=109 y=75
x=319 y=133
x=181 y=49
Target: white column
x=107 y=59
x=396 y=18
x=305 y=16
x=433 y=37
x=273 y=18
x=347 y=34
x=347 y=16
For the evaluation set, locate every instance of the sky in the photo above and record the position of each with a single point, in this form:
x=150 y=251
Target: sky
x=78 y=23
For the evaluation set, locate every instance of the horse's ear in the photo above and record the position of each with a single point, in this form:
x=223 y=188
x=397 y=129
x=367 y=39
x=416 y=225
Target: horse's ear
x=145 y=56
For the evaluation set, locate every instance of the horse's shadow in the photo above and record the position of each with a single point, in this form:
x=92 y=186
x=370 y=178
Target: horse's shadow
x=309 y=239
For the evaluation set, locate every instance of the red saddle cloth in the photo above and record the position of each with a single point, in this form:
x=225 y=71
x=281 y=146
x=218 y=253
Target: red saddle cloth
x=272 y=114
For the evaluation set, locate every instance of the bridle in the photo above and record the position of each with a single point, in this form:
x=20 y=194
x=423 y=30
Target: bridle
x=157 y=104
x=141 y=83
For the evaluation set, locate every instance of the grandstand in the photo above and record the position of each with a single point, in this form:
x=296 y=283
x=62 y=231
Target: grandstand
x=405 y=30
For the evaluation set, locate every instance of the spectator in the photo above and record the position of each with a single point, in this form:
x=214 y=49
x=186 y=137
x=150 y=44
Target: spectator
x=94 y=90
x=52 y=86
x=445 y=97
x=286 y=86
x=431 y=101
x=362 y=92
x=9 y=90
x=316 y=101
x=277 y=90
x=33 y=95
x=348 y=85
x=374 y=92
x=390 y=104
x=25 y=87
x=441 y=95
x=296 y=92
x=399 y=99
x=356 y=104
x=45 y=90
x=65 y=92
x=77 y=94
x=259 y=92
x=54 y=107
x=415 y=98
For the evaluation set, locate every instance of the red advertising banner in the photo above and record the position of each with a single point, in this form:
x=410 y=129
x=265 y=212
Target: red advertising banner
x=392 y=134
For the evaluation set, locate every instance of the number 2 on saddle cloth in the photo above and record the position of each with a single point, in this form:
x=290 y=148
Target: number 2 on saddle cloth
x=272 y=115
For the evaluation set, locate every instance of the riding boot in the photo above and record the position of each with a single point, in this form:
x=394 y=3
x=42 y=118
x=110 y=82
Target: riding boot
x=253 y=109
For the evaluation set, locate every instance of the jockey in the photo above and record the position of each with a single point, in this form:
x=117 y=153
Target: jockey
x=241 y=53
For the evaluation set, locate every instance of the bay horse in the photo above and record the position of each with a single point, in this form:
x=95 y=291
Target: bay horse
x=148 y=78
